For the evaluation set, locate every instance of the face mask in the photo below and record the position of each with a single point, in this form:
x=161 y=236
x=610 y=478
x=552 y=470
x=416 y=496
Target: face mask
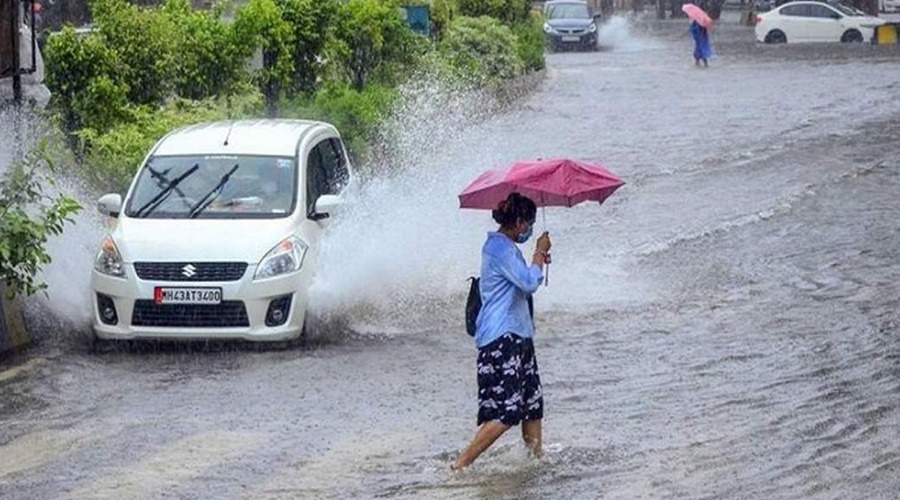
x=526 y=235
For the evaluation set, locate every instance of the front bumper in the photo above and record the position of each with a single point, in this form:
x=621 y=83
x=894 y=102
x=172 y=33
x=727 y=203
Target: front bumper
x=132 y=298
x=580 y=41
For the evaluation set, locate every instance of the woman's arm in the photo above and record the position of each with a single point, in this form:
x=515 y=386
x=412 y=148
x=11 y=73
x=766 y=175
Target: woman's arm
x=524 y=277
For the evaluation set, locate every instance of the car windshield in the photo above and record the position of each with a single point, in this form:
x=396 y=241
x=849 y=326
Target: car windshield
x=214 y=187
x=568 y=11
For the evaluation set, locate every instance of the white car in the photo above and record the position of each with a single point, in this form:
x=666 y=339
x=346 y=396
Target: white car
x=218 y=235
x=815 y=22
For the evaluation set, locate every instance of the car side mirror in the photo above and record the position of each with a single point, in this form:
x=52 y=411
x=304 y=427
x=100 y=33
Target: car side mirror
x=110 y=205
x=325 y=205
x=597 y=16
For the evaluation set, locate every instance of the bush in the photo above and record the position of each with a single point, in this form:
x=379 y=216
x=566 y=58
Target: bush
x=373 y=40
x=208 y=58
x=140 y=57
x=482 y=49
x=29 y=216
x=508 y=11
x=530 y=42
x=81 y=75
x=145 y=43
x=356 y=114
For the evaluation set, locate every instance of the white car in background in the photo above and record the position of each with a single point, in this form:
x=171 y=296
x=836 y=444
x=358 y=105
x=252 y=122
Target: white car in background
x=815 y=22
x=218 y=235
x=889 y=6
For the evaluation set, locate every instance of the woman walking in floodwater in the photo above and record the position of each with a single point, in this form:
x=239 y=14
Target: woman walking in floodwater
x=509 y=386
x=702 y=47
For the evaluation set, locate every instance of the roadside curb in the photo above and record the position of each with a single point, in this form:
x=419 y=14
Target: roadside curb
x=13 y=335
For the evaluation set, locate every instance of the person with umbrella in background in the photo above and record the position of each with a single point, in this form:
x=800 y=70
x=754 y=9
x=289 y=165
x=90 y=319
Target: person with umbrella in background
x=699 y=29
x=509 y=385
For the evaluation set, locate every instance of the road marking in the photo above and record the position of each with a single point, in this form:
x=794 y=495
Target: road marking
x=37 y=448
x=179 y=462
x=343 y=466
x=18 y=370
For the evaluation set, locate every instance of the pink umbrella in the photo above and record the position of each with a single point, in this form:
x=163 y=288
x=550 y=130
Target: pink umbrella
x=559 y=182
x=697 y=14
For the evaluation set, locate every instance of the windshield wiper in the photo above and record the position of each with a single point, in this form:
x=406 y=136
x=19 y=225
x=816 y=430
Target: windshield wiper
x=160 y=197
x=211 y=196
x=162 y=179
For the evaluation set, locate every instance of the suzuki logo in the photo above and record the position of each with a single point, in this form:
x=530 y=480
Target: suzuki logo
x=189 y=271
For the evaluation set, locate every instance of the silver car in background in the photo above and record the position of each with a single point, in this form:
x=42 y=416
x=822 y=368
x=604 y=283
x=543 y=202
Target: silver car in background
x=569 y=24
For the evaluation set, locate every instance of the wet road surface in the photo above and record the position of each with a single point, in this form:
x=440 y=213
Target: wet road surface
x=725 y=327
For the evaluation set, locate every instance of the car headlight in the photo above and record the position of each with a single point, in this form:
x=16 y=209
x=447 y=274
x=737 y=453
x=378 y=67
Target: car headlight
x=286 y=257
x=592 y=28
x=109 y=260
x=548 y=28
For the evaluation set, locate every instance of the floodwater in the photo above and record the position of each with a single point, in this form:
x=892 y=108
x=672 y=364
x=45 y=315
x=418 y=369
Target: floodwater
x=726 y=326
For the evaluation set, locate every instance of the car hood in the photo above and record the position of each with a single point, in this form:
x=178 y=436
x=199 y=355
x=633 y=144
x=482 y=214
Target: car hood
x=179 y=240
x=570 y=23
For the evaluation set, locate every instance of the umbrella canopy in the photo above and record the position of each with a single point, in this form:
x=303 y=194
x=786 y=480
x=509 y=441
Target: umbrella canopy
x=697 y=14
x=558 y=182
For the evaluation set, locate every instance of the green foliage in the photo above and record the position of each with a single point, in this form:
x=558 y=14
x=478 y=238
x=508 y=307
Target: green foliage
x=29 y=216
x=260 y=24
x=482 y=48
x=355 y=113
x=82 y=77
x=372 y=38
x=208 y=59
x=508 y=11
x=442 y=13
x=112 y=157
x=530 y=42
x=312 y=22
x=140 y=57
x=146 y=46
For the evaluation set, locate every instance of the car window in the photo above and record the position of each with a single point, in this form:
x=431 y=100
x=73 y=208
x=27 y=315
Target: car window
x=326 y=171
x=795 y=10
x=567 y=11
x=315 y=178
x=821 y=11
x=335 y=163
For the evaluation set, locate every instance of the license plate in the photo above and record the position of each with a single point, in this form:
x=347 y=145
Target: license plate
x=571 y=38
x=172 y=295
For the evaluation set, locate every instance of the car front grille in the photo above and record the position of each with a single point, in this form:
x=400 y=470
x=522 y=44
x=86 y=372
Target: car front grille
x=228 y=314
x=572 y=31
x=190 y=271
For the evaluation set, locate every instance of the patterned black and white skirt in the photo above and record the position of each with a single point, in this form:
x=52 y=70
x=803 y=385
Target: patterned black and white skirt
x=509 y=386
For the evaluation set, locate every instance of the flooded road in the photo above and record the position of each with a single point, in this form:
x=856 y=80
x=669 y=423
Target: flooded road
x=726 y=326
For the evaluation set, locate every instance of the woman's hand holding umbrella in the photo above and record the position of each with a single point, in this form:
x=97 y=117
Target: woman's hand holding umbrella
x=542 y=252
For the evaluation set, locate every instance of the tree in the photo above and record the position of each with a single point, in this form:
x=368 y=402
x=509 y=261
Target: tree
x=259 y=23
x=312 y=23
x=28 y=217
x=371 y=34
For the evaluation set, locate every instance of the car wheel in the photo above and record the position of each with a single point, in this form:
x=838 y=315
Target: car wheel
x=776 y=36
x=852 y=36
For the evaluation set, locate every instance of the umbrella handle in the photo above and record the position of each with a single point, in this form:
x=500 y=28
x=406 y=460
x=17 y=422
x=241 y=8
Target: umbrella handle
x=547 y=271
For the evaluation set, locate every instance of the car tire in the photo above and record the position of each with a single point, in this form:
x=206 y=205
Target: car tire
x=852 y=36
x=776 y=36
